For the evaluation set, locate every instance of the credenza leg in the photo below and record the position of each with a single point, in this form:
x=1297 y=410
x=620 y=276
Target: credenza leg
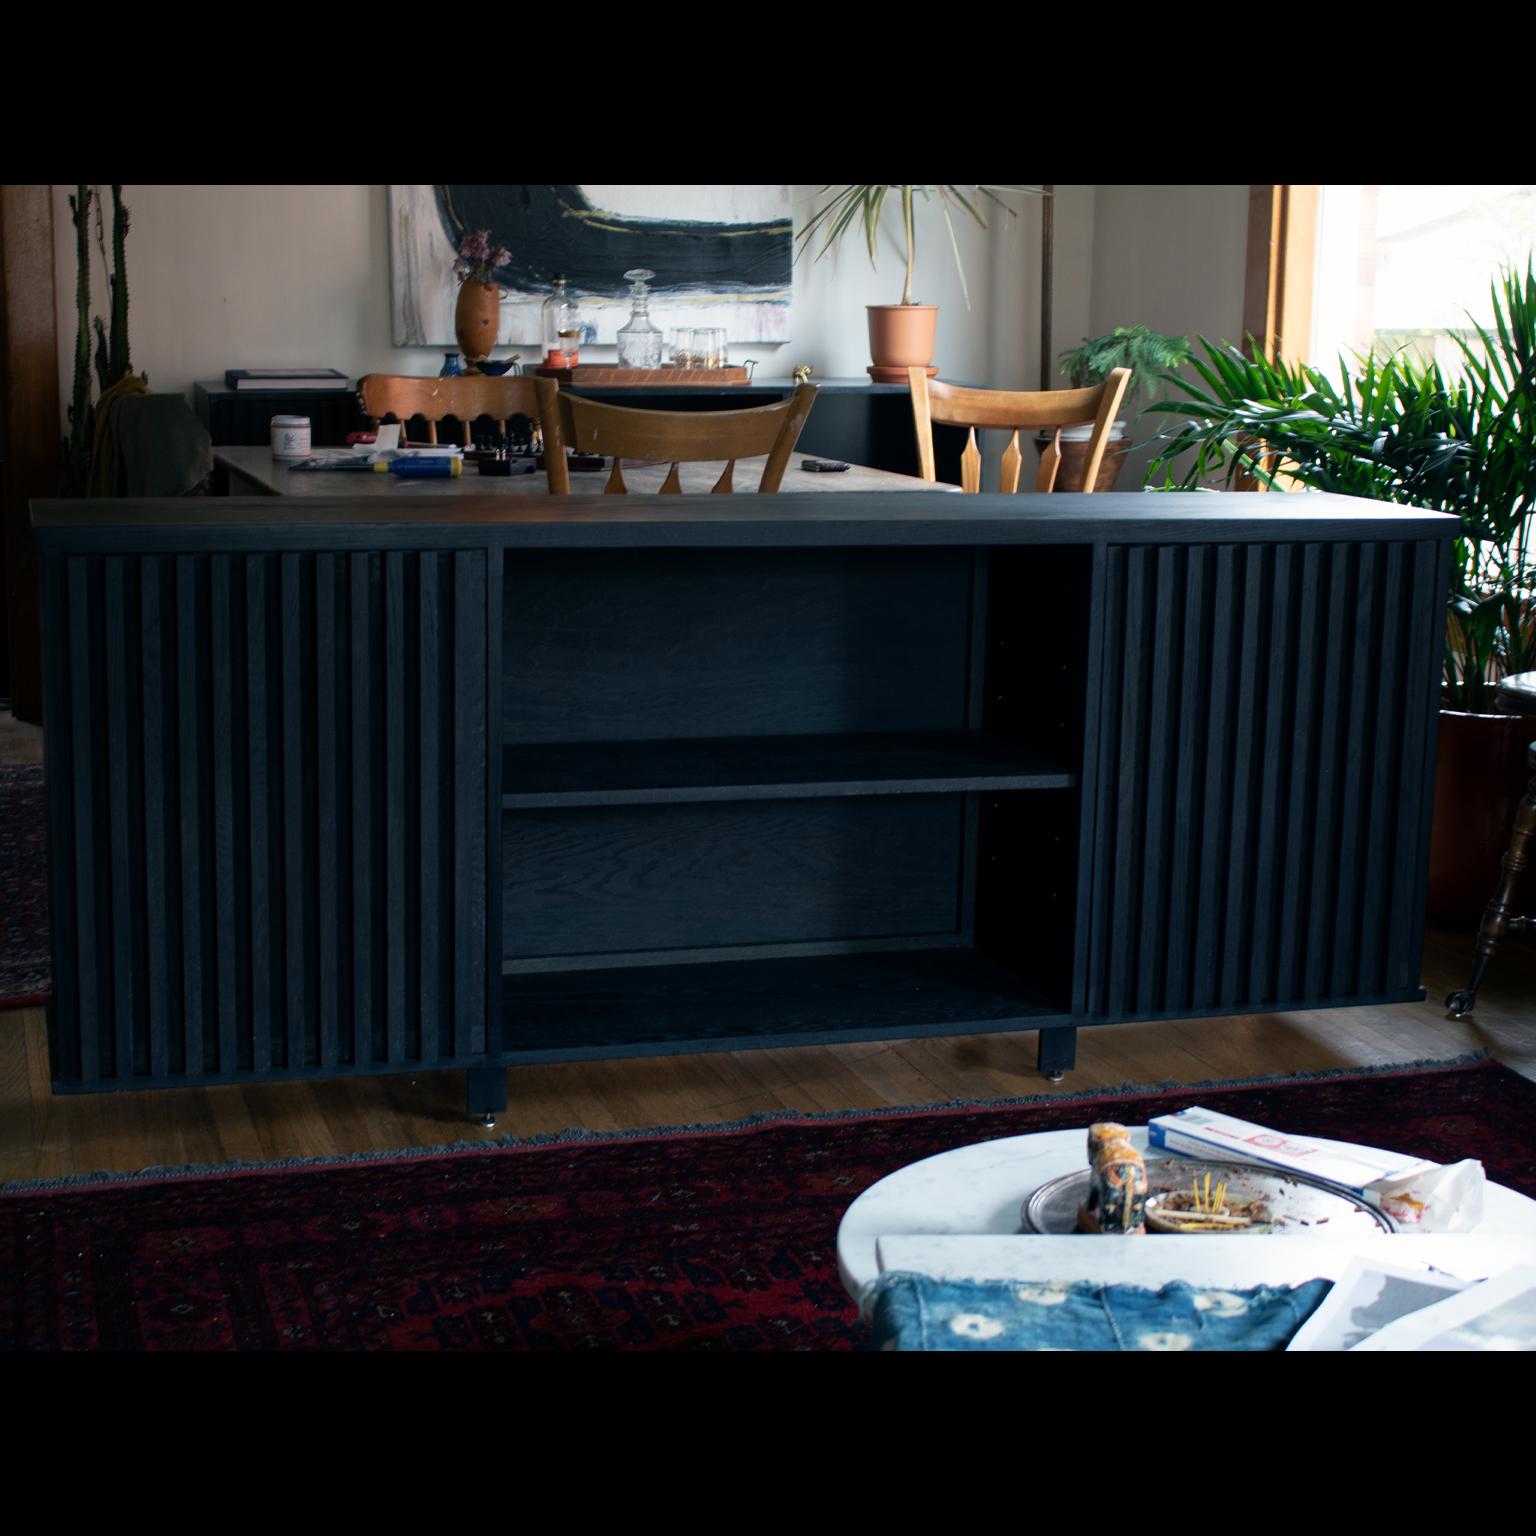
x=1058 y=1052
x=485 y=1093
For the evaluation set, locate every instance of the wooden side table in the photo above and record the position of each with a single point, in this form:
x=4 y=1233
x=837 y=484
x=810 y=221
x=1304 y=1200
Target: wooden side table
x=1517 y=696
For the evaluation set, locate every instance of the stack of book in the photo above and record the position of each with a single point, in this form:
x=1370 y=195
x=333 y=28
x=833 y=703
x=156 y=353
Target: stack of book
x=285 y=379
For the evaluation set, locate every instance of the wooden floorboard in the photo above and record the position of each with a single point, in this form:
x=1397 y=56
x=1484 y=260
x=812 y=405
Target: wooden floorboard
x=42 y=1136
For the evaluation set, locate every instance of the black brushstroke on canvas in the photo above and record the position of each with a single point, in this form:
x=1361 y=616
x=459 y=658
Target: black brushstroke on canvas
x=552 y=229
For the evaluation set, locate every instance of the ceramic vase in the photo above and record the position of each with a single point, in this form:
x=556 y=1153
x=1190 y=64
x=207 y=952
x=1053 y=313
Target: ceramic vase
x=476 y=319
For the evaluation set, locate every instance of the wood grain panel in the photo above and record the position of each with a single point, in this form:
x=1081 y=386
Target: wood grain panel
x=759 y=872
x=246 y=810
x=1264 y=782
x=694 y=644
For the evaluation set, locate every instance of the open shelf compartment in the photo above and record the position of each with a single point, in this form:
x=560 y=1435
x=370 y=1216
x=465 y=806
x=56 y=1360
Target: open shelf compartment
x=756 y=796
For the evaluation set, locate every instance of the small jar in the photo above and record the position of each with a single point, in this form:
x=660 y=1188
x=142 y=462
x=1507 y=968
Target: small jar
x=290 y=437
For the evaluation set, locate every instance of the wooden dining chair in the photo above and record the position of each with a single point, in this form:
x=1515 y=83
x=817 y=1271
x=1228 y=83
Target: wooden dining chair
x=678 y=437
x=1014 y=410
x=466 y=398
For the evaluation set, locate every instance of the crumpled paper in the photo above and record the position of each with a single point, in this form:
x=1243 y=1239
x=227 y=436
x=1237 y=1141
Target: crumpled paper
x=1435 y=1198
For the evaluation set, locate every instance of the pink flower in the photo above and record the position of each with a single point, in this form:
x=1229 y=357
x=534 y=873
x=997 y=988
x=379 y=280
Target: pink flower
x=477 y=261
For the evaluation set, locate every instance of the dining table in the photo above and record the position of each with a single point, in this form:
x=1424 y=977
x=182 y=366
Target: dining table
x=257 y=472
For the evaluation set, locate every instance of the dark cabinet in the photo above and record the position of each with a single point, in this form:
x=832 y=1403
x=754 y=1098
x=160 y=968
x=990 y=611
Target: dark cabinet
x=362 y=792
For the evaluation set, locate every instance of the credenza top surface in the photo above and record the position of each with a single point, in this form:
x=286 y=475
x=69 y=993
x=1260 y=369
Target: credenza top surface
x=855 y=518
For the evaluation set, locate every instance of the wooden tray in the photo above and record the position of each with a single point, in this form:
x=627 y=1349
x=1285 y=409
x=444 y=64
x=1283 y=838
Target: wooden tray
x=606 y=374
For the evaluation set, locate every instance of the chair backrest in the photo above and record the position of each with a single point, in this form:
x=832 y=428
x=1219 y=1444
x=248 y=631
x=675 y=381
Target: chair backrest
x=1013 y=410
x=466 y=398
x=678 y=437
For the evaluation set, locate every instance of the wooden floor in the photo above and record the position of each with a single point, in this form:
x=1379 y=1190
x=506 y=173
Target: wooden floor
x=43 y=1137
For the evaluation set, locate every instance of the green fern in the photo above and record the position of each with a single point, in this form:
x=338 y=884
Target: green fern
x=1149 y=355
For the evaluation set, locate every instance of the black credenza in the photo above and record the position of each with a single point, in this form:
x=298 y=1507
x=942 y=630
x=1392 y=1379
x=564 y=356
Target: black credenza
x=355 y=790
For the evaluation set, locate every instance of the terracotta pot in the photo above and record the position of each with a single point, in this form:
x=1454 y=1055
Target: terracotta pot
x=1074 y=460
x=1480 y=777
x=901 y=337
x=476 y=319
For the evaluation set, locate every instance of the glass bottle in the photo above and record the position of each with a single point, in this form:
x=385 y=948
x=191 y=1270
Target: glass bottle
x=561 y=327
x=639 y=340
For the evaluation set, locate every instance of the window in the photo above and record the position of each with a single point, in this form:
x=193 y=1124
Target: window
x=1404 y=266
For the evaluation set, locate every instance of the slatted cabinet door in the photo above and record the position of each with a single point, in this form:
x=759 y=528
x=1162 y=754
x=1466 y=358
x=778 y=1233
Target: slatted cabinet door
x=1260 y=797
x=268 y=795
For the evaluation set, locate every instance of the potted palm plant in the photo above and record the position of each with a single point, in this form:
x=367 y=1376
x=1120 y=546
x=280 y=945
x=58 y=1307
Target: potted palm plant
x=1405 y=432
x=1150 y=356
x=901 y=335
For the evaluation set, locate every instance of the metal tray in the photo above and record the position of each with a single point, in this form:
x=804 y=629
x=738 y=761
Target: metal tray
x=1300 y=1205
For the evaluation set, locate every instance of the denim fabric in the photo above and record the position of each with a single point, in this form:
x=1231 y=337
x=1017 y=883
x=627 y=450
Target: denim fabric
x=913 y=1312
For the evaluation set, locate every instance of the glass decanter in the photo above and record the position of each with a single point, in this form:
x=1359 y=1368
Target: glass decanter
x=639 y=340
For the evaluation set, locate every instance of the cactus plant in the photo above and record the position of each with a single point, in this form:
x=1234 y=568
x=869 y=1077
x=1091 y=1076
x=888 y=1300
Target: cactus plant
x=111 y=359
x=117 y=347
x=82 y=416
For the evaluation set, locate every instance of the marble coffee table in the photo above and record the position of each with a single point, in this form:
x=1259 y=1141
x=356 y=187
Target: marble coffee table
x=977 y=1190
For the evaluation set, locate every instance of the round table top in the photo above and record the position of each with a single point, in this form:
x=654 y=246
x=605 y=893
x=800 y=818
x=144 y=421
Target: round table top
x=979 y=1189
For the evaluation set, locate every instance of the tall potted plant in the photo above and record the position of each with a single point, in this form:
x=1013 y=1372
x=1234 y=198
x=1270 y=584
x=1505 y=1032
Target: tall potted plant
x=1150 y=356
x=901 y=336
x=1400 y=431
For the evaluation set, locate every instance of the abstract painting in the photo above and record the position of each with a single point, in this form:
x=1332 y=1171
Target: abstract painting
x=721 y=254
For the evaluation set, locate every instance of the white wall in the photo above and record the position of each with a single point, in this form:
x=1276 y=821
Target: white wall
x=272 y=276
x=1172 y=257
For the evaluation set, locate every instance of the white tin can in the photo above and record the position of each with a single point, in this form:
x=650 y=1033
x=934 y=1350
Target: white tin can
x=290 y=437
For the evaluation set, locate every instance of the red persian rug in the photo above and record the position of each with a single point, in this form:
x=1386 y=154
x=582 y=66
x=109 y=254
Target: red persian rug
x=709 y=1239
x=26 y=976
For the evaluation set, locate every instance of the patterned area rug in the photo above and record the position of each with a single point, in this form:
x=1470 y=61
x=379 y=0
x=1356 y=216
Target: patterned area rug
x=26 y=975
x=717 y=1239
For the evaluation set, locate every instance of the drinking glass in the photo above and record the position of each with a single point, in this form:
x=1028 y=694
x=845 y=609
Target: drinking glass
x=680 y=339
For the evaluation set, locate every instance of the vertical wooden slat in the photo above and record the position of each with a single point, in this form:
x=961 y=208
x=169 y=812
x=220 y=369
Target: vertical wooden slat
x=1257 y=576
x=226 y=910
x=1339 y=645
x=1406 y=922
x=1222 y=670
x=1106 y=778
x=83 y=662
x=1129 y=779
x=1274 y=803
x=490 y=713
x=296 y=911
x=192 y=732
x=394 y=836
x=469 y=682
x=1359 y=749
x=1381 y=853
x=363 y=856
x=429 y=706
x=158 y=894
x=125 y=972
x=259 y=789
x=1301 y=747
x=63 y=1013
x=1158 y=751
x=327 y=821
x=1188 y=788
